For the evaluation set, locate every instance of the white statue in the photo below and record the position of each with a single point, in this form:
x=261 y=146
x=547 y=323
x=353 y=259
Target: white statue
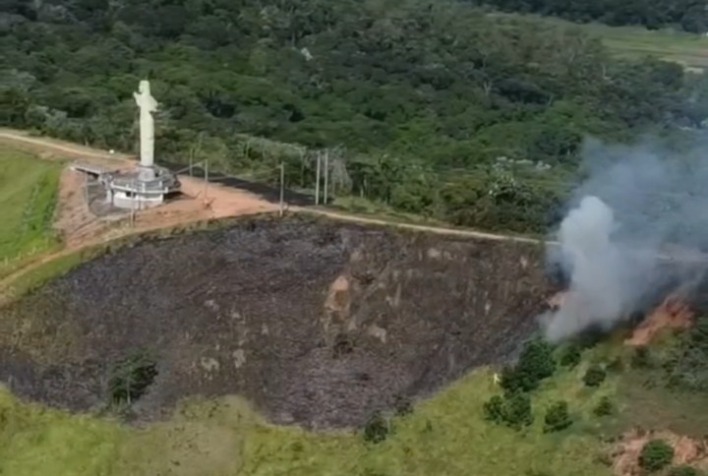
x=147 y=105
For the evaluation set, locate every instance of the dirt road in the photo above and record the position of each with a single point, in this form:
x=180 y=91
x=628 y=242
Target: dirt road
x=44 y=145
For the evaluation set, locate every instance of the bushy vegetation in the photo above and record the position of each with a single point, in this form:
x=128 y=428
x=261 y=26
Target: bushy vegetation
x=445 y=435
x=570 y=356
x=604 y=407
x=557 y=417
x=690 y=15
x=594 y=376
x=131 y=377
x=28 y=191
x=377 y=428
x=683 y=471
x=656 y=455
x=435 y=108
x=511 y=409
x=642 y=358
x=536 y=362
x=687 y=363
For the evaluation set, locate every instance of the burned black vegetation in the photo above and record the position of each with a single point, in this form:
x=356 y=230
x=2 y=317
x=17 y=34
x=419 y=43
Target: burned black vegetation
x=317 y=324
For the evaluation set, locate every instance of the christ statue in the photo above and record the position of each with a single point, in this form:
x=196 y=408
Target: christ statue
x=147 y=105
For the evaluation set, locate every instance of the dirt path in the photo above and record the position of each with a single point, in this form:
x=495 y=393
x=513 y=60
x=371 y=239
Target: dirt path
x=41 y=144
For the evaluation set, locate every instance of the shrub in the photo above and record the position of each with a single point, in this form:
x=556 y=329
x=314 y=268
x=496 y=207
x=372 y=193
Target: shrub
x=604 y=407
x=512 y=410
x=377 y=428
x=683 y=471
x=131 y=377
x=685 y=364
x=570 y=357
x=403 y=406
x=511 y=380
x=494 y=409
x=557 y=418
x=517 y=411
x=536 y=360
x=641 y=358
x=535 y=364
x=616 y=365
x=656 y=455
x=594 y=376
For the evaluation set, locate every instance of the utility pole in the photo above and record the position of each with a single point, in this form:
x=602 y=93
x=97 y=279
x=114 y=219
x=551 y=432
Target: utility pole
x=317 y=181
x=206 y=178
x=326 y=175
x=282 y=187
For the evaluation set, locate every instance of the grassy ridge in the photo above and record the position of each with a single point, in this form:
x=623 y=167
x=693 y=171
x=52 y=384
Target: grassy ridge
x=28 y=193
x=446 y=435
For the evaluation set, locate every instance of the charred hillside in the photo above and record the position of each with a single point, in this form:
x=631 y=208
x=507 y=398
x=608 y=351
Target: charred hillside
x=317 y=323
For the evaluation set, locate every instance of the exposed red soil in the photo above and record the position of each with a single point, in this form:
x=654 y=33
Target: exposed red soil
x=673 y=313
x=687 y=451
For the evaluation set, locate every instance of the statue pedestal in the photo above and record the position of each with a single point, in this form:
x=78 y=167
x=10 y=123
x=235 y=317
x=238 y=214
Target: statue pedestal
x=146 y=174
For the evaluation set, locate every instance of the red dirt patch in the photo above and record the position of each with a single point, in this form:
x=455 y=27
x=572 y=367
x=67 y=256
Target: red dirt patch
x=673 y=313
x=687 y=451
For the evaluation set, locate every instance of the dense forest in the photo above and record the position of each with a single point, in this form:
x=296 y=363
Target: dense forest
x=689 y=15
x=434 y=108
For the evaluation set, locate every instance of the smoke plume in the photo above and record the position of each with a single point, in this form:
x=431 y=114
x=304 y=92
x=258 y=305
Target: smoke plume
x=637 y=202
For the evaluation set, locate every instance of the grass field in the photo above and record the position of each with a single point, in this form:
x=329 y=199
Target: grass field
x=28 y=191
x=444 y=436
x=687 y=49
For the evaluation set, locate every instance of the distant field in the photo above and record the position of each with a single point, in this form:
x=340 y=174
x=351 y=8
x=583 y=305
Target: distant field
x=28 y=191
x=689 y=50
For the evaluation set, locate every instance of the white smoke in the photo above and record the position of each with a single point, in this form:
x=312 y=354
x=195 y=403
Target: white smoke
x=597 y=294
x=636 y=200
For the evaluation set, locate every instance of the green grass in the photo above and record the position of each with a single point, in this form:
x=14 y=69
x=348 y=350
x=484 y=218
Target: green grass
x=28 y=193
x=444 y=436
x=687 y=49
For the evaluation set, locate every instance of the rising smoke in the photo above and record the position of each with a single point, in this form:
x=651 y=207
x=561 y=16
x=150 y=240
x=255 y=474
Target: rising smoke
x=635 y=202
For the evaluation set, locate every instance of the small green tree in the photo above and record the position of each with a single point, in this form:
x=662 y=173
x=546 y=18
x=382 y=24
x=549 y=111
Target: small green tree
x=594 y=376
x=604 y=407
x=641 y=358
x=557 y=417
x=130 y=377
x=535 y=363
x=616 y=365
x=683 y=471
x=512 y=410
x=494 y=409
x=517 y=411
x=377 y=428
x=656 y=455
x=511 y=380
x=403 y=406
x=570 y=357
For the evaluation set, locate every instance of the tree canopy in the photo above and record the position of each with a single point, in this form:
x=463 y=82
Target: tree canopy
x=434 y=108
